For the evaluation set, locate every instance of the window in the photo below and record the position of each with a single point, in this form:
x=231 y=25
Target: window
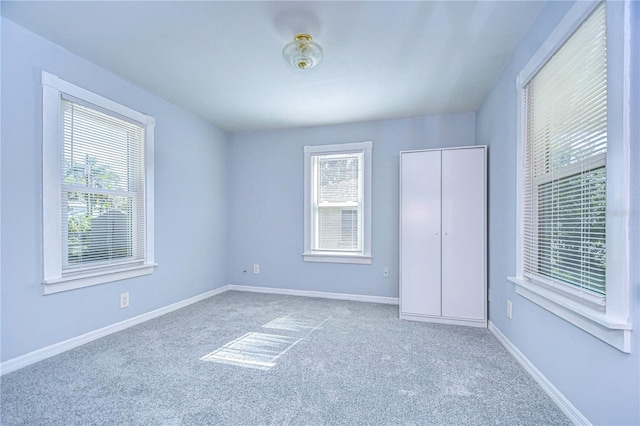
x=98 y=194
x=565 y=171
x=338 y=203
x=567 y=236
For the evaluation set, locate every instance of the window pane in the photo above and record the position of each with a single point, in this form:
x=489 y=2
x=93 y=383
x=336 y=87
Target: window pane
x=338 y=179
x=571 y=230
x=103 y=187
x=338 y=198
x=100 y=227
x=349 y=229
x=100 y=151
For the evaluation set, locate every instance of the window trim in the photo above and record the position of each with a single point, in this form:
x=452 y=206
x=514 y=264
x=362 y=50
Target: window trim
x=363 y=257
x=610 y=323
x=54 y=280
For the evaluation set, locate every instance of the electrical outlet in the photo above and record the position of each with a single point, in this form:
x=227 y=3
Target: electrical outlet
x=124 y=300
x=509 y=309
x=256 y=268
x=385 y=272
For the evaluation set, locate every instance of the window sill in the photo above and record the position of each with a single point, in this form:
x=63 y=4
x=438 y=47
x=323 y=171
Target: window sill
x=337 y=258
x=615 y=333
x=87 y=279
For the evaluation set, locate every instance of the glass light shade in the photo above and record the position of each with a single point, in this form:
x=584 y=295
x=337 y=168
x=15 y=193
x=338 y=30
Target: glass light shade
x=302 y=52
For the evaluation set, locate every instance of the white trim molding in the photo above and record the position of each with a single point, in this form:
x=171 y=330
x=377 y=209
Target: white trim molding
x=598 y=324
x=335 y=258
x=319 y=294
x=94 y=278
x=58 y=348
x=556 y=396
x=480 y=323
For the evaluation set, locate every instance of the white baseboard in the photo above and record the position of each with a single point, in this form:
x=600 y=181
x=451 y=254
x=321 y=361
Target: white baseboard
x=57 y=348
x=320 y=294
x=445 y=320
x=563 y=403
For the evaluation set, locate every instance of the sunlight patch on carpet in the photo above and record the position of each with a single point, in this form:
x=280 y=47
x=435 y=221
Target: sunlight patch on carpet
x=253 y=350
x=289 y=323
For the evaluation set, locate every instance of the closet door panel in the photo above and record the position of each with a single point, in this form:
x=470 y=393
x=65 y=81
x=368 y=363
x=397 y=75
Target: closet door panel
x=420 y=233
x=463 y=233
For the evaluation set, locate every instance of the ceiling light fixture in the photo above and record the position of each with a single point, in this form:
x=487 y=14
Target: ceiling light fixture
x=302 y=53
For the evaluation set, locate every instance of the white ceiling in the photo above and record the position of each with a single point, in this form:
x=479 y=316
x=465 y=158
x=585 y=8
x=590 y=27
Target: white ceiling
x=223 y=61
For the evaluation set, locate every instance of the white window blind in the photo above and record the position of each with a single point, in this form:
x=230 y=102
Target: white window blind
x=103 y=210
x=564 y=202
x=337 y=194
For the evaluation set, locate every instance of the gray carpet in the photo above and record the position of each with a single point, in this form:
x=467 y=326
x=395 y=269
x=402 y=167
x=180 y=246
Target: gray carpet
x=318 y=362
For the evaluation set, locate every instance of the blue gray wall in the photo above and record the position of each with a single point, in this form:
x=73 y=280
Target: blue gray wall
x=190 y=197
x=221 y=207
x=266 y=202
x=600 y=381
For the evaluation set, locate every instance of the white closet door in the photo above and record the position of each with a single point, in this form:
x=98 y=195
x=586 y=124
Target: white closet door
x=463 y=229
x=420 y=233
